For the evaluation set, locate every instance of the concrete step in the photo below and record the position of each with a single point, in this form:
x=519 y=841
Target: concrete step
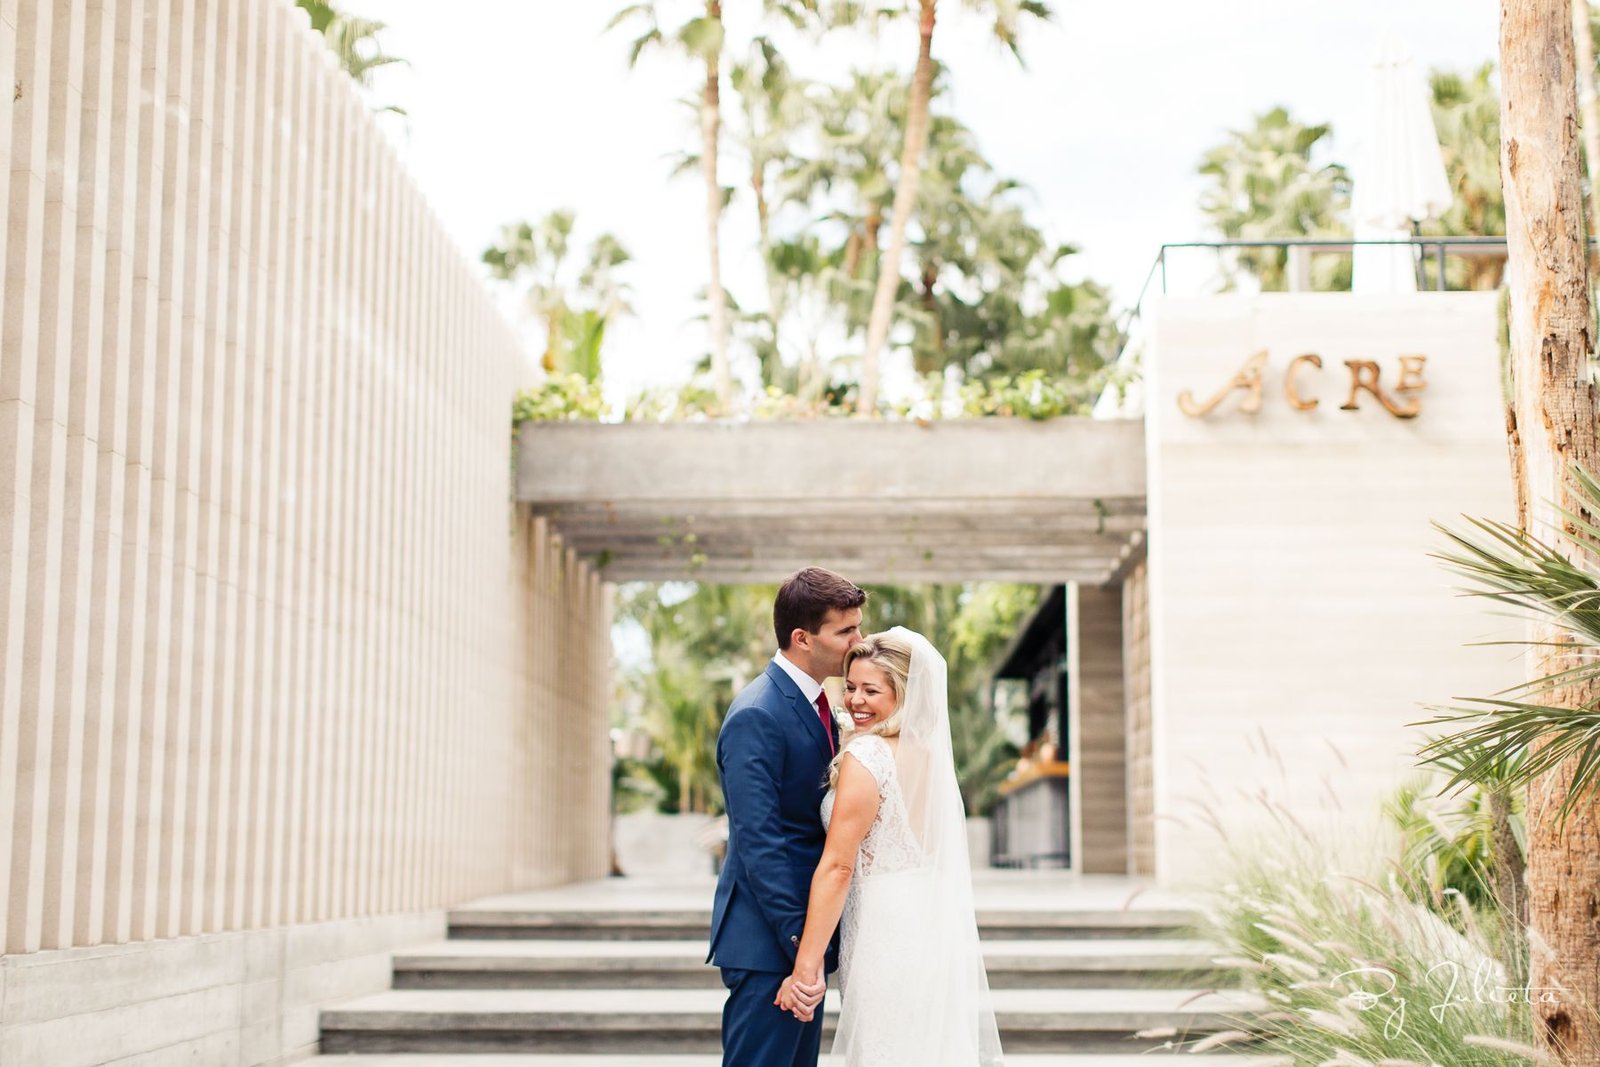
x=574 y=924
x=641 y=1021
x=406 y=1059
x=1104 y=963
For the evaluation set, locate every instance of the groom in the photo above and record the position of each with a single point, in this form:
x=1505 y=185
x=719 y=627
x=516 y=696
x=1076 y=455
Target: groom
x=773 y=754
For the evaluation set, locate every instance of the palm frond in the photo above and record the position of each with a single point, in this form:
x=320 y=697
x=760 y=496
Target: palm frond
x=1513 y=739
x=1514 y=743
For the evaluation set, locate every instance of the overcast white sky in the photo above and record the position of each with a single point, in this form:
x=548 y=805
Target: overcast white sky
x=521 y=106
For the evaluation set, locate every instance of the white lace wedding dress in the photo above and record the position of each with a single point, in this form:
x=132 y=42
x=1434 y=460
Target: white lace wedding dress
x=910 y=994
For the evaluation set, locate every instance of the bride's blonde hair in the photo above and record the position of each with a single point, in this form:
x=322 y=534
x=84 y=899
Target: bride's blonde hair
x=892 y=656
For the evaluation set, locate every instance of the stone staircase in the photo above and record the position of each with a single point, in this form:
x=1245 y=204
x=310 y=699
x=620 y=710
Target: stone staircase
x=1085 y=973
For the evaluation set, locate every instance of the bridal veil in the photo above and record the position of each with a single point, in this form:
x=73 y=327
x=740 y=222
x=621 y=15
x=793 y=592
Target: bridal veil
x=928 y=920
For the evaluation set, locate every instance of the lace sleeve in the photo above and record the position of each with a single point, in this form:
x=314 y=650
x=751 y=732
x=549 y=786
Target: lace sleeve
x=873 y=753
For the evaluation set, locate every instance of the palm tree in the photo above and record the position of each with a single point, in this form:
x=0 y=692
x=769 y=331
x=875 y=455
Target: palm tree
x=354 y=40
x=811 y=279
x=774 y=107
x=861 y=125
x=1265 y=187
x=1551 y=427
x=703 y=37
x=1007 y=17
x=1513 y=741
x=575 y=311
x=1466 y=114
x=1584 y=28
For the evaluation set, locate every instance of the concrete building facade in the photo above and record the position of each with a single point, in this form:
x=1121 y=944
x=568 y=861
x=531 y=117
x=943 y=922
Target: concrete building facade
x=1296 y=620
x=284 y=671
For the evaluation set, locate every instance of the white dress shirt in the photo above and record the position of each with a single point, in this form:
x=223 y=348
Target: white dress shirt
x=810 y=688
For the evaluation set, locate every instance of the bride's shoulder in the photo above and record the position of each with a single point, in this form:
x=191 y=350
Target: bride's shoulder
x=875 y=753
x=864 y=742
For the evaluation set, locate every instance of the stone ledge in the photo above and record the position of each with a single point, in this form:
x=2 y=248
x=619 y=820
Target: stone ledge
x=228 y=997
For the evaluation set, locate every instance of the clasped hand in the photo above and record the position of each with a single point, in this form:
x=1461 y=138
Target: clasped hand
x=800 y=994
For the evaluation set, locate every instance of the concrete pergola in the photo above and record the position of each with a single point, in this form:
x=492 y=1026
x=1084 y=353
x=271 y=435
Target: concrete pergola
x=903 y=502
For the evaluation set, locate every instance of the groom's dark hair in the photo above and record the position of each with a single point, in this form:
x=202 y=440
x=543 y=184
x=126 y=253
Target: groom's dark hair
x=806 y=597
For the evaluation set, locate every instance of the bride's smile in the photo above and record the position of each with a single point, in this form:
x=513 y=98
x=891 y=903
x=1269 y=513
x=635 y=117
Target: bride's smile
x=868 y=695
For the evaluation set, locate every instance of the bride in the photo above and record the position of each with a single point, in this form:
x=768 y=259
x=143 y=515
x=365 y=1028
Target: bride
x=895 y=870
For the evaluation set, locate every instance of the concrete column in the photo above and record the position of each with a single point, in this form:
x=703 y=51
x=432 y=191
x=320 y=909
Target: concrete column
x=1099 y=766
x=1140 y=763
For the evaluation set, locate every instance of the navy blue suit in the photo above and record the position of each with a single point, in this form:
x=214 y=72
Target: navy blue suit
x=772 y=753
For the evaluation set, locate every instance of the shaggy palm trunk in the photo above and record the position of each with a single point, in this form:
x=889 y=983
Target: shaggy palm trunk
x=1584 y=44
x=1510 y=890
x=1551 y=427
x=710 y=125
x=905 y=198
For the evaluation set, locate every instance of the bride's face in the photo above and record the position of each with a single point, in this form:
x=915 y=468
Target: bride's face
x=868 y=696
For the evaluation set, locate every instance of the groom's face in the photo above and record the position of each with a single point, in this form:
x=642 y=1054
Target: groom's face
x=840 y=630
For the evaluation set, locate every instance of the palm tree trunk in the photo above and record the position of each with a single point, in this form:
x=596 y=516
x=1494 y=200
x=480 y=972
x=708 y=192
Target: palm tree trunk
x=1551 y=426
x=852 y=253
x=710 y=125
x=1511 y=894
x=905 y=197
x=775 y=308
x=1584 y=44
x=930 y=306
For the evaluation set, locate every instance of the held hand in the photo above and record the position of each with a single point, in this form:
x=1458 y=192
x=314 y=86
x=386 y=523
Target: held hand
x=790 y=1000
x=809 y=989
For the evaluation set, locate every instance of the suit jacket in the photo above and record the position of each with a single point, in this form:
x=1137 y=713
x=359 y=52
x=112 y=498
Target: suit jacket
x=772 y=754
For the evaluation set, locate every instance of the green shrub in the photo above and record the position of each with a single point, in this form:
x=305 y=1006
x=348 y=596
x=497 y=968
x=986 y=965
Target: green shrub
x=559 y=398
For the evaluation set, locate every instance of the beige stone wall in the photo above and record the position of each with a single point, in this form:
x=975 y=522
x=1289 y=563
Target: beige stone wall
x=1296 y=619
x=275 y=648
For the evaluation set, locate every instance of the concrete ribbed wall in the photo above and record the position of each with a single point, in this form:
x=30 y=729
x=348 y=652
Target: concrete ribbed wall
x=275 y=646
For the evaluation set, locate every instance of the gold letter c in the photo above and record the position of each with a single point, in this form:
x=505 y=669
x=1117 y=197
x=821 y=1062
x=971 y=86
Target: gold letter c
x=1296 y=401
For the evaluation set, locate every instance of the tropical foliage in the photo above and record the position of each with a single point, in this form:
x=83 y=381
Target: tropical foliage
x=1466 y=114
x=1272 y=181
x=1007 y=18
x=1265 y=184
x=354 y=40
x=696 y=30
x=1515 y=738
x=706 y=641
x=575 y=304
x=872 y=206
x=560 y=398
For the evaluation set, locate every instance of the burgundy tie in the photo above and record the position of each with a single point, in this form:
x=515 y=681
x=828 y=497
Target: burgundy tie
x=827 y=719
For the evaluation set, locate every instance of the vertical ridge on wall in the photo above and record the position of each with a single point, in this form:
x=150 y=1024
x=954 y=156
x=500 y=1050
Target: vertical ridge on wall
x=275 y=646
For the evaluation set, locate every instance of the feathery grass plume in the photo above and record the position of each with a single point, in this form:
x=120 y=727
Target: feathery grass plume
x=1515 y=1048
x=1390 y=980
x=1345 y=1058
x=1221 y=1038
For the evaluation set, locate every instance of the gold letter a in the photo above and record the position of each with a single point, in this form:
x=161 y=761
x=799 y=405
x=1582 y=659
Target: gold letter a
x=1248 y=379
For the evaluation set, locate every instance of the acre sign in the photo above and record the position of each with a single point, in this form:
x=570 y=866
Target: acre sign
x=1303 y=377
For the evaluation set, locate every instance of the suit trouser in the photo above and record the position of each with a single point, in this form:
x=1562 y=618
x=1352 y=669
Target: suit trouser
x=756 y=1033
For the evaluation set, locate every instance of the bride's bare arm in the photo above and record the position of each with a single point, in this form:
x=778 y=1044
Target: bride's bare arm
x=855 y=805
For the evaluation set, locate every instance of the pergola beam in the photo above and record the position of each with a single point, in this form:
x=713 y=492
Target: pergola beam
x=997 y=499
